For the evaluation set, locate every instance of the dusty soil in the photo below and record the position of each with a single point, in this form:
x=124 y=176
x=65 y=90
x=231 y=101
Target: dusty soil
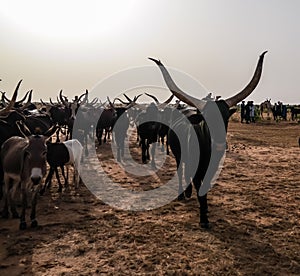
x=253 y=208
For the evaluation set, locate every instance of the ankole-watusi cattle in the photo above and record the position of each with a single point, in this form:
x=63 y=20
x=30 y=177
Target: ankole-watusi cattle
x=211 y=141
x=148 y=123
x=24 y=166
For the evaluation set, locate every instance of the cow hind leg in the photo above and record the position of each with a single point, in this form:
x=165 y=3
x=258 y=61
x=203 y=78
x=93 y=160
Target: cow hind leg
x=58 y=180
x=57 y=135
x=167 y=146
x=153 y=148
x=187 y=175
x=181 y=195
x=66 y=177
x=147 y=151
x=105 y=135
x=162 y=139
x=144 y=151
x=204 y=223
x=99 y=135
x=47 y=181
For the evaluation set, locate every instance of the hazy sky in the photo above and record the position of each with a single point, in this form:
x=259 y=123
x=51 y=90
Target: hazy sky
x=72 y=45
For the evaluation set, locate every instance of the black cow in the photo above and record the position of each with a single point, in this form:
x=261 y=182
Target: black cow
x=211 y=141
x=148 y=126
x=120 y=127
x=164 y=114
x=84 y=123
x=294 y=112
x=105 y=124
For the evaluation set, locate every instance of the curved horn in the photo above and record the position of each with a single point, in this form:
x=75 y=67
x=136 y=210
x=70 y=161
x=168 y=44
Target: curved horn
x=153 y=97
x=164 y=104
x=133 y=103
x=21 y=101
x=136 y=97
x=28 y=101
x=61 y=98
x=251 y=85
x=12 y=101
x=120 y=101
x=30 y=96
x=42 y=102
x=176 y=90
x=111 y=104
x=94 y=101
x=5 y=98
x=128 y=99
x=84 y=94
x=169 y=100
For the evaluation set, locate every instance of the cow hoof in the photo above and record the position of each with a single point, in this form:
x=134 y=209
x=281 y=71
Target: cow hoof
x=181 y=197
x=23 y=225
x=188 y=193
x=34 y=223
x=205 y=225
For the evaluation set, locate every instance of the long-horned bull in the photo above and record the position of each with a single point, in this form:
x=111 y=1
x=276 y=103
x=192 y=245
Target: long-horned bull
x=209 y=140
x=24 y=166
x=165 y=115
x=148 y=126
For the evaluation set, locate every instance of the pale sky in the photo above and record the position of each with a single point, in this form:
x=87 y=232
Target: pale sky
x=72 y=45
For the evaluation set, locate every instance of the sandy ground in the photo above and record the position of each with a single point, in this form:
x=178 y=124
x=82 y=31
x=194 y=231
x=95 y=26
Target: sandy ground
x=253 y=208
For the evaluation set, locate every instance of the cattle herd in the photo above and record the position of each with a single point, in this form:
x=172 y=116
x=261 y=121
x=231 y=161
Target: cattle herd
x=57 y=133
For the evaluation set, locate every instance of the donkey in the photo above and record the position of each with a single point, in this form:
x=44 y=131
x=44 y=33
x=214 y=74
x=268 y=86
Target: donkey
x=24 y=166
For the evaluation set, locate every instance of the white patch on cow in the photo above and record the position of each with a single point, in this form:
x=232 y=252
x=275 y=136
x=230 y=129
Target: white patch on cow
x=36 y=172
x=75 y=152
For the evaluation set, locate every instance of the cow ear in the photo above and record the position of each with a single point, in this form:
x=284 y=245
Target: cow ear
x=24 y=130
x=232 y=111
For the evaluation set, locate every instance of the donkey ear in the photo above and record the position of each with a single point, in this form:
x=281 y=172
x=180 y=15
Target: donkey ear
x=24 y=130
x=51 y=131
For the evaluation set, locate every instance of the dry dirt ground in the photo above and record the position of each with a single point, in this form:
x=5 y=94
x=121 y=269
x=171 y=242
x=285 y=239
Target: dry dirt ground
x=253 y=208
